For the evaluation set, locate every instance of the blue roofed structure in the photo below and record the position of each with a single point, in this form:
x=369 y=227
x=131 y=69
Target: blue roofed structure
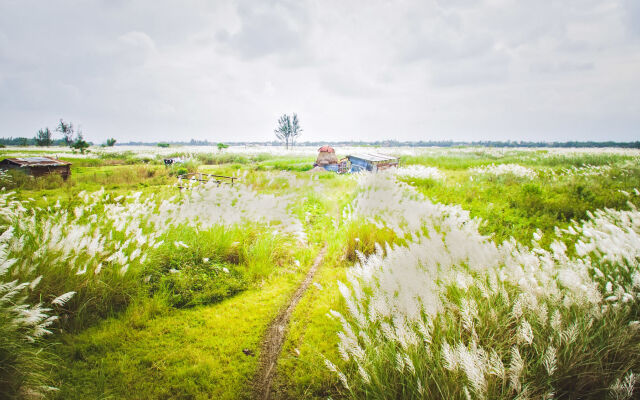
x=372 y=162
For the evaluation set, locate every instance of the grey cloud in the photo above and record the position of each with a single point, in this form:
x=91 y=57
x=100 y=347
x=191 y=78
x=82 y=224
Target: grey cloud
x=553 y=68
x=348 y=85
x=632 y=14
x=442 y=48
x=264 y=31
x=490 y=68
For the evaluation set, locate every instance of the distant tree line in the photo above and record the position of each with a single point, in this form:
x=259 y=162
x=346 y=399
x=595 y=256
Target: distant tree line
x=71 y=137
x=395 y=143
x=23 y=141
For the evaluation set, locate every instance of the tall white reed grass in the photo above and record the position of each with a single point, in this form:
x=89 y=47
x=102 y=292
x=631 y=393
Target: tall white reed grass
x=454 y=307
x=506 y=169
x=420 y=171
x=118 y=231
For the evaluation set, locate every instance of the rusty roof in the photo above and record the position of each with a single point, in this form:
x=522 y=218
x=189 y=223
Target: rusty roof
x=36 y=161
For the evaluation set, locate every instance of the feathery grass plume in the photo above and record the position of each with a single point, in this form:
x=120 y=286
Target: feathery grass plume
x=495 y=365
x=343 y=380
x=505 y=169
x=419 y=386
x=570 y=334
x=364 y=374
x=469 y=312
x=472 y=363
x=556 y=321
x=467 y=394
x=400 y=362
x=62 y=299
x=622 y=389
x=449 y=357
x=550 y=360
x=419 y=171
x=516 y=366
x=525 y=333
x=409 y=364
x=542 y=314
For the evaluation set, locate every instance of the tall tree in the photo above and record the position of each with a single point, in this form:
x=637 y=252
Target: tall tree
x=288 y=129
x=66 y=129
x=43 y=138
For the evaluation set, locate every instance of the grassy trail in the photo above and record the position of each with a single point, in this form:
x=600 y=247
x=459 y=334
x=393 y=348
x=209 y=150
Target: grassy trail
x=155 y=352
x=276 y=333
x=301 y=372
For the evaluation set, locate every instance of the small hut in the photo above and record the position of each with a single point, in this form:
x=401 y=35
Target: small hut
x=371 y=162
x=327 y=158
x=38 y=166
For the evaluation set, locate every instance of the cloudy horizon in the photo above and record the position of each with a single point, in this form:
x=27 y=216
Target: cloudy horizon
x=377 y=70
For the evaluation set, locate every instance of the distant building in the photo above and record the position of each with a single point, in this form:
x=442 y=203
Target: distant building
x=38 y=166
x=370 y=162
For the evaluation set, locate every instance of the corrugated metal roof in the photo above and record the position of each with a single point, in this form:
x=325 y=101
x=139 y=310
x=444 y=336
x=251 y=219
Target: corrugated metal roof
x=37 y=161
x=373 y=157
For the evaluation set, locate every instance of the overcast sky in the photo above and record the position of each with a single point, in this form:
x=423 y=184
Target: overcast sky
x=361 y=70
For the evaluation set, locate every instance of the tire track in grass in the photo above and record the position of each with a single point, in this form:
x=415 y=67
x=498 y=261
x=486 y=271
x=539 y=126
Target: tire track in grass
x=276 y=332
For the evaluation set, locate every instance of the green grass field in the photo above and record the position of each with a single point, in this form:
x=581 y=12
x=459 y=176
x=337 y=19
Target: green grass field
x=171 y=290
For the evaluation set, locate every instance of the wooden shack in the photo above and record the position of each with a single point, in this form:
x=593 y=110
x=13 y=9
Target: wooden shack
x=371 y=162
x=38 y=166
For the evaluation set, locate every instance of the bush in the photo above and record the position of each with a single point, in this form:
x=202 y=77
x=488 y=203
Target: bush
x=17 y=178
x=199 y=283
x=362 y=236
x=184 y=168
x=218 y=159
x=201 y=267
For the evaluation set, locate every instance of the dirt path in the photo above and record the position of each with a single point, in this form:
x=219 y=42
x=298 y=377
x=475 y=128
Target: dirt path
x=276 y=332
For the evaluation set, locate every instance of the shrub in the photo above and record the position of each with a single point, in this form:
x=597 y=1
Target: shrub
x=198 y=283
x=205 y=266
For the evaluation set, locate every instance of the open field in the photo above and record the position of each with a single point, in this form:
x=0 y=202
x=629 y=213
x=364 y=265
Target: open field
x=466 y=273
